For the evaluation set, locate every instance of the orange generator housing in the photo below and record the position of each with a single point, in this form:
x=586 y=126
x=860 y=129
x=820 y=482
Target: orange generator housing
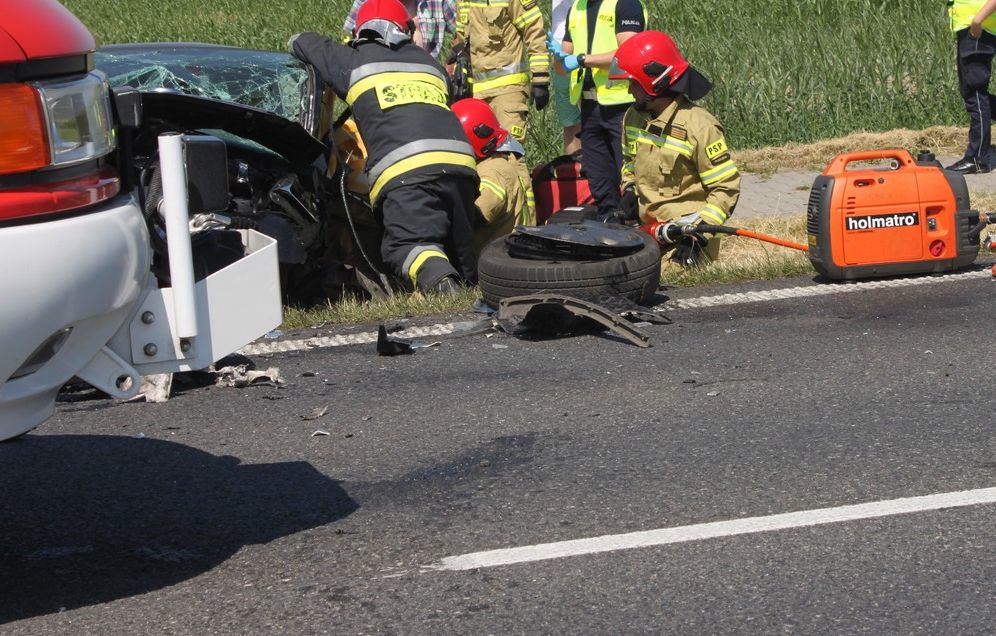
x=906 y=217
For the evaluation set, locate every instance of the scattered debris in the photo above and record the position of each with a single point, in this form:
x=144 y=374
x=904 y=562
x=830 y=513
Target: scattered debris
x=392 y=345
x=308 y=374
x=631 y=311
x=241 y=376
x=320 y=433
x=154 y=388
x=554 y=315
x=317 y=413
x=499 y=346
x=273 y=335
x=712 y=393
x=425 y=345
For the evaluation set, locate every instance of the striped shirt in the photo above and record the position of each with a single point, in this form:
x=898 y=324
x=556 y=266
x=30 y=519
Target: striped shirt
x=433 y=18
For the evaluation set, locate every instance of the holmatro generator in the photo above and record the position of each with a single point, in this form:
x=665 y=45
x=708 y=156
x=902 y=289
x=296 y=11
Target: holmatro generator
x=893 y=215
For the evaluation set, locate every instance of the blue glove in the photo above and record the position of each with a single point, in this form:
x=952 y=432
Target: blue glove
x=570 y=62
x=553 y=46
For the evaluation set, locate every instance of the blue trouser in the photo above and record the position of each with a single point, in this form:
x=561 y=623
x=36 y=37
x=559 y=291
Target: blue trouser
x=601 y=151
x=974 y=70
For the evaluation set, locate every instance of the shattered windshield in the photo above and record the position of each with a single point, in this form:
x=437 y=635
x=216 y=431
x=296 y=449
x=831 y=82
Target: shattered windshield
x=271 y=81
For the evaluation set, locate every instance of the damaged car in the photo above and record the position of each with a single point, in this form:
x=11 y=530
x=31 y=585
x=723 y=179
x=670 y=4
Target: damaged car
x=97 y=281
x=283 y=173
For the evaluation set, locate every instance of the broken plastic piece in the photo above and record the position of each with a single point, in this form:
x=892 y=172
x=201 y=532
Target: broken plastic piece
x=551 y=314
x=392 y=345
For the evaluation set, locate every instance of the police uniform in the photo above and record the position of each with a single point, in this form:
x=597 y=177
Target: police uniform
x=506 y=196
x=602 y=107
x=680 y=165
x=975 y=58
x=500 y=34
x=421 y=170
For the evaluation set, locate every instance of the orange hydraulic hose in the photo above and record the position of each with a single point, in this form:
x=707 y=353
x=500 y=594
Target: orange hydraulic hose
x=767 y=238
x=739 y=231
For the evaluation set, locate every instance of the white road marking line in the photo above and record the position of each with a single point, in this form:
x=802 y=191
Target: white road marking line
x=699 y=532
x=320 y=342
x=824 y=289
x=807 y=291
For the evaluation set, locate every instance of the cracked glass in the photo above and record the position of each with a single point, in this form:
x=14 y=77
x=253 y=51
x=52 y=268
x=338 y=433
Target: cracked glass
x=271 y=81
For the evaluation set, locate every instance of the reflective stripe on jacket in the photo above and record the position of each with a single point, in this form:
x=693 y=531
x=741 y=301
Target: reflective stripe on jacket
x=961 y=13
x=507 y=43
x=680 y=164
x=603 y=42
x=399 y=101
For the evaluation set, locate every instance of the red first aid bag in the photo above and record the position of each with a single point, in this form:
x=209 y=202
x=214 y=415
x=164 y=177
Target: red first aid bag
x=557 y=185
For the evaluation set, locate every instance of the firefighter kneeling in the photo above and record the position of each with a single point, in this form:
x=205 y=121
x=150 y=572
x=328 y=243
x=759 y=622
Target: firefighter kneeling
x=506 y=196
x=421 y=170
x=677 y=168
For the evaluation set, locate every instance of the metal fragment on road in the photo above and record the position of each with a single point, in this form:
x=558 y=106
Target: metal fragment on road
x=241 y=376
x=317 y=413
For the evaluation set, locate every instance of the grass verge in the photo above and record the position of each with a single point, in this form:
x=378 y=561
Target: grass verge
x=742 y=259
x=941 y=140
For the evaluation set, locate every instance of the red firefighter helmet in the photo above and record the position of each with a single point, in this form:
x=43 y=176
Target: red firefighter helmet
x=385 y=21
x=480 y=125
x=652 y=59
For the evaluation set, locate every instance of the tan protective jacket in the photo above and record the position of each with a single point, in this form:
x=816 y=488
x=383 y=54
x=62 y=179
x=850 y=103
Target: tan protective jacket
x=506 y=196
x=501 y=33
x=680 y=164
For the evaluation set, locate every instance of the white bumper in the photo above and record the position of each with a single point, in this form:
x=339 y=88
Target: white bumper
x=82 y=274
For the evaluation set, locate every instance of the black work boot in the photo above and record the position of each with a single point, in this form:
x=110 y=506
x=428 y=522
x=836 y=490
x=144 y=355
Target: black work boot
x=447 y=286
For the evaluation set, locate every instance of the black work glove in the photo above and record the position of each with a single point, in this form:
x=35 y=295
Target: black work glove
x=689 y=252
x=458 y=50
x=630 y=203
x=541 y=96
x=617 y=217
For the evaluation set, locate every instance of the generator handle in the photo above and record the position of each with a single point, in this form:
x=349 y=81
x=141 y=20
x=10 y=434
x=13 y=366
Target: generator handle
x=839 y=163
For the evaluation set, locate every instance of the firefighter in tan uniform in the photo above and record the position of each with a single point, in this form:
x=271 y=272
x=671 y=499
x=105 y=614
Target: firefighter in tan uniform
x=506 y=197
x=677 y=167
x=509 y=63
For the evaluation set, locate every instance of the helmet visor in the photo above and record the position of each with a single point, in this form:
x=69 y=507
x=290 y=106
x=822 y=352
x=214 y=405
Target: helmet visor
x=617 y=76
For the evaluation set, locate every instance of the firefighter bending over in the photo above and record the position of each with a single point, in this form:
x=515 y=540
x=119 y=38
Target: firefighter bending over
x=677 y=166
x=421 y=170
x=506 y=196
x=498 y=34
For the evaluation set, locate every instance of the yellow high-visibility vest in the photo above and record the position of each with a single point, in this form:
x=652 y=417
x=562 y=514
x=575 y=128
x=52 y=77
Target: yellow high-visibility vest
x=603 y=42
x=961 y=13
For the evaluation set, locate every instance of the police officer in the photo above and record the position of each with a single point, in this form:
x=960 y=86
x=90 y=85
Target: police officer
x=419 y=165
x=974 y=26
x=499 y=34
x=506 y=197
x=678 y=167
x=595 y=29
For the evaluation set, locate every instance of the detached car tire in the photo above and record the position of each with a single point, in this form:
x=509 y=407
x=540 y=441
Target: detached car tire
x=635 y=276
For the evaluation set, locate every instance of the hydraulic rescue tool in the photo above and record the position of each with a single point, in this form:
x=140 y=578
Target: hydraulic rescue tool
x=910 y=216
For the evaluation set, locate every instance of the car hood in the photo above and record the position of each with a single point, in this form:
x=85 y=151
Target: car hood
x=267 y=97
x=281 y=135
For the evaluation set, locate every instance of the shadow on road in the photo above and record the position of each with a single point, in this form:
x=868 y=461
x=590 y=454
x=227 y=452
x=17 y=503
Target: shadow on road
x=89 y=519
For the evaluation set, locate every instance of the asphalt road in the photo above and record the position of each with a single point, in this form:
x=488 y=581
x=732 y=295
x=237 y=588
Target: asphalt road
x=220 y=512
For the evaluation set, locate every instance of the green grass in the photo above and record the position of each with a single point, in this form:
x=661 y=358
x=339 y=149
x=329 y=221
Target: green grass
x=785 y=70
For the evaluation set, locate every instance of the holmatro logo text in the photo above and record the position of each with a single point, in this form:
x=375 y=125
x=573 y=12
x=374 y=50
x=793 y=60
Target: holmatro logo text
x=877 y=221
